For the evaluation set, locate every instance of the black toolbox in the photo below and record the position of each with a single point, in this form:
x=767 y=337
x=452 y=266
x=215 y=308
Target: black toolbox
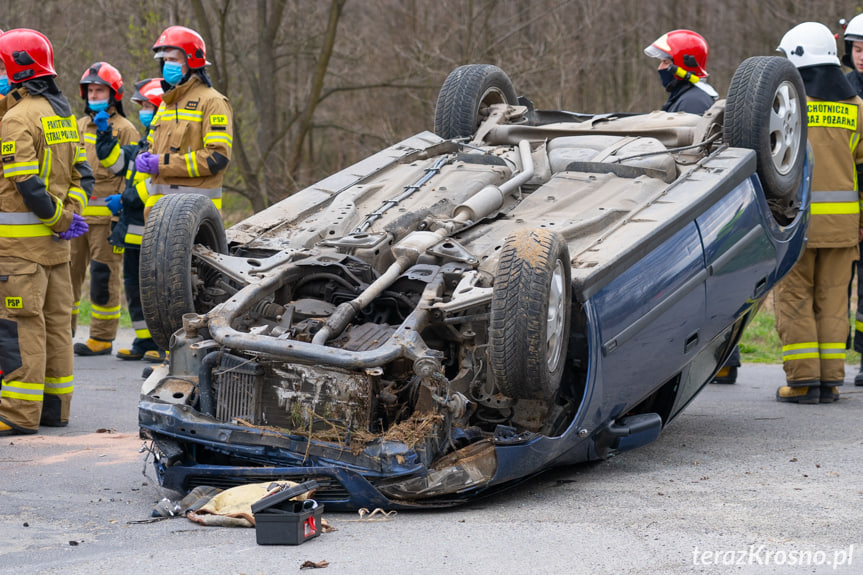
x=279 y=521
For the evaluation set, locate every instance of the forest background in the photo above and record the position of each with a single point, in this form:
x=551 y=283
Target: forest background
x=318 y=84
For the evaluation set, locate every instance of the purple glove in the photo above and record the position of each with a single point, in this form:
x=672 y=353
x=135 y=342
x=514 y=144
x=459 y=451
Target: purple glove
x=147 y=163
x=77 y=228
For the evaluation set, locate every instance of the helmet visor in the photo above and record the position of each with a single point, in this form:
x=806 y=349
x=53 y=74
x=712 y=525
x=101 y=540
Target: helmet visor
x=655 y=52
x=169 y=51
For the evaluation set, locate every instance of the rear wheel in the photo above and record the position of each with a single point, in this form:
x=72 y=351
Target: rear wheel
x=172 y=282
x=530 y=315
x=465 y=96
x=766 y=112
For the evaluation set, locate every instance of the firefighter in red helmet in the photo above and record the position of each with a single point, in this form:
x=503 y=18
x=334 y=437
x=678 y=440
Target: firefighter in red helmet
x=192 y=135
x=102 y=92
x=129 y=206
x=682 y=69
x=45 y=185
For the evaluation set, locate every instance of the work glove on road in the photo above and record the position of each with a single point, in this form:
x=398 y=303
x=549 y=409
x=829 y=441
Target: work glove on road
x=147 y=163
x=101 y=121
x=114 y=203
x=77 y=228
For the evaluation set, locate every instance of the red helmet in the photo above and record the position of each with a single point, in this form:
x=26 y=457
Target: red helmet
x=105 y=74
x=186 y=40
x=149 y=90
x=687 y=49
x=27 y=54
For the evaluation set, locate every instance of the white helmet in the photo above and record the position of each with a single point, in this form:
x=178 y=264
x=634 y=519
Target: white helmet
x=809 y=44
x=853 y=33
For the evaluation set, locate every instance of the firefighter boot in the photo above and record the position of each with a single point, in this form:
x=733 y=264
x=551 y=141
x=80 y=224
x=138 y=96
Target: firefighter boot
x=93 y=347
x=6 y=430
x=830 y=391
x=805 y=392
x=858 y=379
x=727 y=375
x=156 y=356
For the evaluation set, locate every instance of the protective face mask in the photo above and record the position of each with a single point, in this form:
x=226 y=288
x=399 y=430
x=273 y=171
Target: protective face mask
x=666 y=76
x=98 y=105
x=4 y=85
x=172 y=72
x=146 y=116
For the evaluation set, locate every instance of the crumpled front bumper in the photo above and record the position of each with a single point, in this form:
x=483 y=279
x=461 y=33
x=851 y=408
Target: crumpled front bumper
x=388 y=475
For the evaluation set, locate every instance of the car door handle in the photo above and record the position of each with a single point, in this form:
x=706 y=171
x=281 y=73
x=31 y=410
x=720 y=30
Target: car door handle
x=760 y=287
x=691 y=342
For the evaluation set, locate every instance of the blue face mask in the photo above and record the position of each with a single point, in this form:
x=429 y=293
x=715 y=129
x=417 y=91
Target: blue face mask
x=172 y=72
x=4 y=84
x=146 y=116
x=98 y=105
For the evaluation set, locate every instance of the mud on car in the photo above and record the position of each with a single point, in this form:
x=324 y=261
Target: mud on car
x=517 y=290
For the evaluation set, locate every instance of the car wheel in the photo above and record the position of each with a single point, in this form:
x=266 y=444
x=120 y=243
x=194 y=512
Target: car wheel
x=766 y=111
x=530 y=314
x=168 y=273
x=465 y=95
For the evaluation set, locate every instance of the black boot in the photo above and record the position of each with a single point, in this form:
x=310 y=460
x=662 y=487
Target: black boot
x=858 y=379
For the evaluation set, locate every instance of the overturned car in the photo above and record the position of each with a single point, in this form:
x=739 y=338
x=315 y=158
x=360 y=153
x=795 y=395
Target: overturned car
x=519 y=289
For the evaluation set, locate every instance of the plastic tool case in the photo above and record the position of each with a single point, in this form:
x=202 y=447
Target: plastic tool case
x=280 y=521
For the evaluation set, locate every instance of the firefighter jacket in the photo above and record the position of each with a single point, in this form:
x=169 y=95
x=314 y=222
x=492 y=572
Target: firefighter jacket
x=107 y=182
x=45 y=180
x=686 y=97
x=192 y=132
x=120 y=160
x=835 y=129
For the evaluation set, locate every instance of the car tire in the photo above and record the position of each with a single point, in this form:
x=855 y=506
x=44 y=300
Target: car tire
x=175 y=224
x=766 y=112
x=465 y=93
x=530 y=315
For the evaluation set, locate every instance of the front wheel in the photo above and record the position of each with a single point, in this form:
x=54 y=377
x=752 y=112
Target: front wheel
x=530 y=315
x=172 y=279
x=766 y=112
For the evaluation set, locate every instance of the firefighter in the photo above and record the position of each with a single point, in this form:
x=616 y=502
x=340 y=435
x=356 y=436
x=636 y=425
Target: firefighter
x=812 y=300
x=682 y=70
x=102 y=92
x=45 y=185
x=126 y=235
x=682 y=52
x=853 y=58
x=192 y=135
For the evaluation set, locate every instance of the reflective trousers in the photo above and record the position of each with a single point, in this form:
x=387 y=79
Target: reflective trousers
x=105 y=262
x=35 y=343
x=132 y=284
x=811 y=305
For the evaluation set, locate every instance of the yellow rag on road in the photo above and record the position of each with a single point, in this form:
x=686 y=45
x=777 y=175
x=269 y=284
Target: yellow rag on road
x=233 y=507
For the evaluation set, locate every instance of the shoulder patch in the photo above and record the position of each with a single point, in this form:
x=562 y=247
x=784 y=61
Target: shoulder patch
x=7 y=148
x=218 y=120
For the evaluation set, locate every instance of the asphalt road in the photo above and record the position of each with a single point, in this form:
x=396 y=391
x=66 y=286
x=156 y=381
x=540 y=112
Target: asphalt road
x=737 y=484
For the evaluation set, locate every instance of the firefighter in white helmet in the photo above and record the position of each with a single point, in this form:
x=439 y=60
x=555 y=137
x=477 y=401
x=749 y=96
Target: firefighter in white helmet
x=812 y=300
